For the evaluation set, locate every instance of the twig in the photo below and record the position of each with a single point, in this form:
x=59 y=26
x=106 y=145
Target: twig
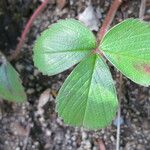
x=109 y=17
x=148 y=111
x=108 y=20
x=27 y=137
x=101 y=145
x=118 y=129
x=142 y=9
x=27 y=28
x=119 y=112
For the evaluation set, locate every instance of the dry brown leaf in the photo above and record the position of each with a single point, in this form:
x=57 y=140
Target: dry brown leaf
x=101 y=145
x=61 y=4
x=18 y=129
x=44 y=98
x=90 y=18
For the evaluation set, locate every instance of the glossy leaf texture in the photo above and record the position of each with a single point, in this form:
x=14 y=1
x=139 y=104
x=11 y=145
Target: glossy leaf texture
x=10 y=84
x=127 y=46
x=62 y=45
x=88 y=97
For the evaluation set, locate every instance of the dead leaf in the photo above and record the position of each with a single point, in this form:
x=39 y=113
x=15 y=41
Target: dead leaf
x=61 y=4
x=54 y=93
x=101 y=145
x=44 y=98
x=18 y=129
x=90 y=18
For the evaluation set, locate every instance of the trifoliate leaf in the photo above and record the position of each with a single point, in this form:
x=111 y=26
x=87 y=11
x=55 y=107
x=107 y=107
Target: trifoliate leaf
x=63 y=45
x=10 y=85
x=127 y=46
x=88 y=97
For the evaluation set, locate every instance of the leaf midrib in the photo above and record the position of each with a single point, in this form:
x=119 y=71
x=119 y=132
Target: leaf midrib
x=65 y=51
x=89 y=89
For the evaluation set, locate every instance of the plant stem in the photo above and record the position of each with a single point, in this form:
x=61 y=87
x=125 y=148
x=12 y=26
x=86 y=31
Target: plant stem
x=109 y=18
x=107 y=22
x=27 y=28
x=119 y=112
x=27 y=137
x=142 y=9
x=118 y=129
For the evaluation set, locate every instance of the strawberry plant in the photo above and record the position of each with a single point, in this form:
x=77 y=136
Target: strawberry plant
x=10 y=84
x=88 y=96
x=11 y=88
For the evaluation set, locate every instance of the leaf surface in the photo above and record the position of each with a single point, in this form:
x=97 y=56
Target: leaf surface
x=10 y=84
x=62 y=45
x=127 y=46
x=88 y=97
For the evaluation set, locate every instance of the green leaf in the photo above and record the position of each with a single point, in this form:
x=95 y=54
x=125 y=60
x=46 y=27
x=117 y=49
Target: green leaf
x=62 y=45
x=88 y=97
x=127 y=46
x=10 y=85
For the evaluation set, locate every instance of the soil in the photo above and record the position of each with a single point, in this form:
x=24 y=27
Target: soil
x=25 y=126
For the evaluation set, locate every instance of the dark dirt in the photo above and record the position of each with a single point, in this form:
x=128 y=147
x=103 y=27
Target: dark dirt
x=25 y=126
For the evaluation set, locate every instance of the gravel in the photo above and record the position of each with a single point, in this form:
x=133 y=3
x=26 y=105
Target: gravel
x=46 y=130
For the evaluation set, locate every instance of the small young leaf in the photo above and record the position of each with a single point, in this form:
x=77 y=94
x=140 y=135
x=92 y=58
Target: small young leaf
x=88 y=97
x=10 y=85
x=63 y=45
x=127 y=46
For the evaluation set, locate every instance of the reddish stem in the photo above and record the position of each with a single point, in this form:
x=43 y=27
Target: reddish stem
x=142 y=9
x=109 y=18
x=27 y=28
